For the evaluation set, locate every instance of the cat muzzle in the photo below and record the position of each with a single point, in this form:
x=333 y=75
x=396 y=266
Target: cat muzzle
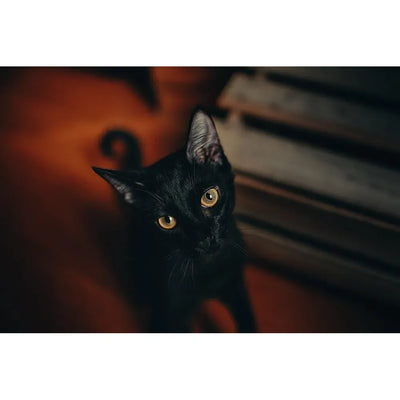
x=207 y=246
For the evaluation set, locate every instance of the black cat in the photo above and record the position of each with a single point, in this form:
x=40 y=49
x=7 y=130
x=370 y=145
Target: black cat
x=184 y=242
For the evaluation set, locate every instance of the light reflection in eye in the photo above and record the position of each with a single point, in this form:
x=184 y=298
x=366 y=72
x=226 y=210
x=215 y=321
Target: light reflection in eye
x=167 y=222
x=210 y=198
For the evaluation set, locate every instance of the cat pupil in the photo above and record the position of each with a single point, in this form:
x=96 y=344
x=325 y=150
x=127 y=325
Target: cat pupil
x=209 y=196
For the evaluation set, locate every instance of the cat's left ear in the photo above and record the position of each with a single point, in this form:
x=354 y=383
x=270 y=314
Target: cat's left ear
x=203 y=145
x=123 y=182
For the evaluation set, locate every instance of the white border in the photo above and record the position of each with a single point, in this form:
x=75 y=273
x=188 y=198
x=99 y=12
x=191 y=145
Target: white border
x=224 y=366
x=199 y=366
x=178 y=33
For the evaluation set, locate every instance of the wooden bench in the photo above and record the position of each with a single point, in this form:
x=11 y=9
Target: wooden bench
x=318 y=178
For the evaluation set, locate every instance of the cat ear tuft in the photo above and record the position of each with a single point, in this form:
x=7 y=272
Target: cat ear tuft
x=122 y=182
x=203 y=143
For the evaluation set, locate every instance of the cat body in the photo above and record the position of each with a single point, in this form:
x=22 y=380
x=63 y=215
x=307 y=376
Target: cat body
x=184 y=243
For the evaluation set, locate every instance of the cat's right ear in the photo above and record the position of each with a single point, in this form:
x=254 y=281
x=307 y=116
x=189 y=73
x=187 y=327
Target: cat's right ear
x=203 y=145
x=123 y=182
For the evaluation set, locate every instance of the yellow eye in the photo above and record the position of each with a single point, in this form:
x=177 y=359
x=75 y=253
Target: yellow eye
x=209 y=198
x=167 y=222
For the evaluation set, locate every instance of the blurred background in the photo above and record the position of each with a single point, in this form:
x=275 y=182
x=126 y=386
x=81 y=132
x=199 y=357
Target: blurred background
x=316 y=153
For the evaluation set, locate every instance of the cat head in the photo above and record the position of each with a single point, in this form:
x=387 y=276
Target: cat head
x=184 y=202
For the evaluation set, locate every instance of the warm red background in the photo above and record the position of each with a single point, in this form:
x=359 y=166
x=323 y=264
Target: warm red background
x=60 y=224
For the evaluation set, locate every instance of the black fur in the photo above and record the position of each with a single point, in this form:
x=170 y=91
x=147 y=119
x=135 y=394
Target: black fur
x=203 y=256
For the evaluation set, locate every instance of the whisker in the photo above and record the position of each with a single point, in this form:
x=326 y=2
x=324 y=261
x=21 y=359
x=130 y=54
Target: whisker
x=155 y=196
x=171 y=255
x=171 y=273
x=186 y=269
x=240 y=248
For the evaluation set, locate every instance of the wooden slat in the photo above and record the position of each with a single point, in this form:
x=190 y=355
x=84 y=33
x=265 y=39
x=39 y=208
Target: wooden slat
x=338 y=118
x=317 y=264
x=282 y=160
x=380 y=83
x=326 y=225
x=304 y=199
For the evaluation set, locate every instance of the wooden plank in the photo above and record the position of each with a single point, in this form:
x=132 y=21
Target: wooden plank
x=341 y=231
x=317 y=264
x=305 y=200
x=338 y=118
x=381 y=83
x=300 y=165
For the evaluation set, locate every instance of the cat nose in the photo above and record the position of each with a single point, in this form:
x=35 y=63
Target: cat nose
x=208 y=245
